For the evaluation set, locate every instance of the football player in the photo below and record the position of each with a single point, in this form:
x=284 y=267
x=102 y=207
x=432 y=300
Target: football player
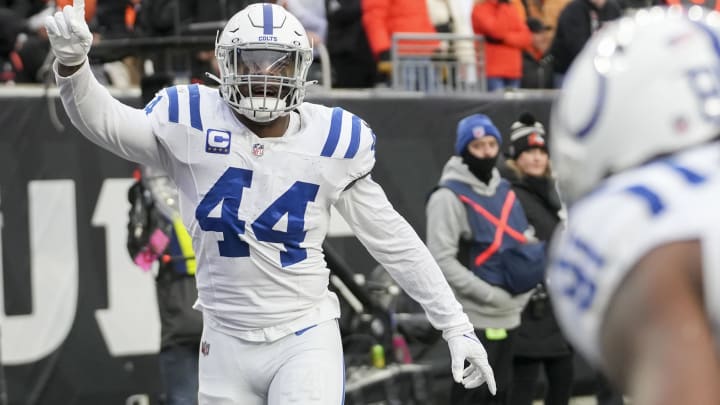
x=635 y=276
x=257 y=171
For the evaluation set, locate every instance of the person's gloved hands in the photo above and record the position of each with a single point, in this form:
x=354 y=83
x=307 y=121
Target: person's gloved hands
x=384 y=65
x=468 y=347
x=69 y=35
x=492 y=40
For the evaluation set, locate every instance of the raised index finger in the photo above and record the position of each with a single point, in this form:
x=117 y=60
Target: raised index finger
x=79 y=8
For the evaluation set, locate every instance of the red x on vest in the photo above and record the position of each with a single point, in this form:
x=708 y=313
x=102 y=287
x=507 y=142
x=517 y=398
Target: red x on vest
x=500 y=223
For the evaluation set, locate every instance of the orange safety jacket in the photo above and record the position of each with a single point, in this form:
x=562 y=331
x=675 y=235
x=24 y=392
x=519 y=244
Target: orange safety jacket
x=382 y=18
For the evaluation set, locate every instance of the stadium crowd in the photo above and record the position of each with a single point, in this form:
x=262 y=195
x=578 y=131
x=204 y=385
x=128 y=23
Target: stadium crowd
x=528 y=43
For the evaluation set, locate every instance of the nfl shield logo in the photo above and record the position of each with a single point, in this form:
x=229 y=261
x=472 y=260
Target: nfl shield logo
x=205 y=348
x=258 y=149
x=478 y=132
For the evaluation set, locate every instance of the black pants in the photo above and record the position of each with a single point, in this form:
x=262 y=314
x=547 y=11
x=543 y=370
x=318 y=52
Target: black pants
x=500 y=355
x=606 y=394
x=559 y=373
x=179 y=374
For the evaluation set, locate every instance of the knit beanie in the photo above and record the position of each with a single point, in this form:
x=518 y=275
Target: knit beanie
x=526 y=133
x=474 y=127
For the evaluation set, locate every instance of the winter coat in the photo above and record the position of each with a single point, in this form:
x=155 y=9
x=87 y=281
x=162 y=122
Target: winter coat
x=537 y=71
x=382 y=18
x=539 y=335
x=506 y=35
x=575 y=28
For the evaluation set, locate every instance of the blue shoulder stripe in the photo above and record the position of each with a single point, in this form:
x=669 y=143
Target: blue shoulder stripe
x=687 y=174
x=354 y=138
x=195 y=119
x=653 y=200
x=334 y=134
x=172 y=104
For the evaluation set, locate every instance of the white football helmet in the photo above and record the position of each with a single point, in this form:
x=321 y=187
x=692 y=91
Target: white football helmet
x=264 y=55
x=644 y=86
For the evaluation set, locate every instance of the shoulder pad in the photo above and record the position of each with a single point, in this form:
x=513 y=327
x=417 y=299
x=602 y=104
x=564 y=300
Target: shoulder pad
x=348 y=136
x=178 y=105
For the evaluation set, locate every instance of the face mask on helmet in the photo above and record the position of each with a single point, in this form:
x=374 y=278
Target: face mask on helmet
x=263 y=68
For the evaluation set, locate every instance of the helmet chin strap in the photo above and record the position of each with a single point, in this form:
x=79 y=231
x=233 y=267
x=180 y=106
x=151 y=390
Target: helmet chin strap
x=258 y=115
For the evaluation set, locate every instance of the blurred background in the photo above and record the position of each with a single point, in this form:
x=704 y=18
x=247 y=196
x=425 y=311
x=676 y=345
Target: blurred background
x=80 y=322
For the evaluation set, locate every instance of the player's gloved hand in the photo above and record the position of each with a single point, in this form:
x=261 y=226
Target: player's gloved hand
x=468 y=347
x=69 y=35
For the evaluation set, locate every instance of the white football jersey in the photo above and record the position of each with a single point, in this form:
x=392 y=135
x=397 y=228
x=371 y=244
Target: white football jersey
x=609 y=231
x=258 y=208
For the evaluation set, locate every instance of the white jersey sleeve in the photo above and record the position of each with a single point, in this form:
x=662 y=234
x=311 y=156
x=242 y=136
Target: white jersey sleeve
x=612 y=229
x=121 y=129
x=395 y=245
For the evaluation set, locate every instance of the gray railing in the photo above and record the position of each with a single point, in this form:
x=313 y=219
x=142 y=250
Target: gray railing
x=438 y=63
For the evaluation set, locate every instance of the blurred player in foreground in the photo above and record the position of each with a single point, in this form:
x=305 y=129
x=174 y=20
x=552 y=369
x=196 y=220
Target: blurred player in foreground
x=257 y=172
x=636 y=277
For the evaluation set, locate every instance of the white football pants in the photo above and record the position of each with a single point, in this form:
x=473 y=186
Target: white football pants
x=304 y=368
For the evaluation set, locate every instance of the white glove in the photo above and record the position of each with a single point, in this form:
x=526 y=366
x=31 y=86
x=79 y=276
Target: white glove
x=468 y=346
x=69 y=35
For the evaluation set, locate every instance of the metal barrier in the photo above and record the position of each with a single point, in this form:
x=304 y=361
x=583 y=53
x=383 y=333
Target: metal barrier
x=326 y=72
x=438 y=63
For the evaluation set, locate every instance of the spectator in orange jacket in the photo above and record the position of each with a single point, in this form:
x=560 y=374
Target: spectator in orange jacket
x=382 y=18
x=503 y=25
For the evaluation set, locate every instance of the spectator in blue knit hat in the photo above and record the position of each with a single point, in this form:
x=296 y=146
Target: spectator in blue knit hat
x=478 y=144
x=477 y=230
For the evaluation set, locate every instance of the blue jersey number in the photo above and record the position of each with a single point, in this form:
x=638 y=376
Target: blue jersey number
x=581 y=289
x=228 y=190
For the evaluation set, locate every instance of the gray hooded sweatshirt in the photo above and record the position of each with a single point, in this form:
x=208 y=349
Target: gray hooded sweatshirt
x=487 y=306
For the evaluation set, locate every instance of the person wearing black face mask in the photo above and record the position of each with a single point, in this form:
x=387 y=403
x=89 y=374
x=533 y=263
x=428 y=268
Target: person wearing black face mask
x=474 y=222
